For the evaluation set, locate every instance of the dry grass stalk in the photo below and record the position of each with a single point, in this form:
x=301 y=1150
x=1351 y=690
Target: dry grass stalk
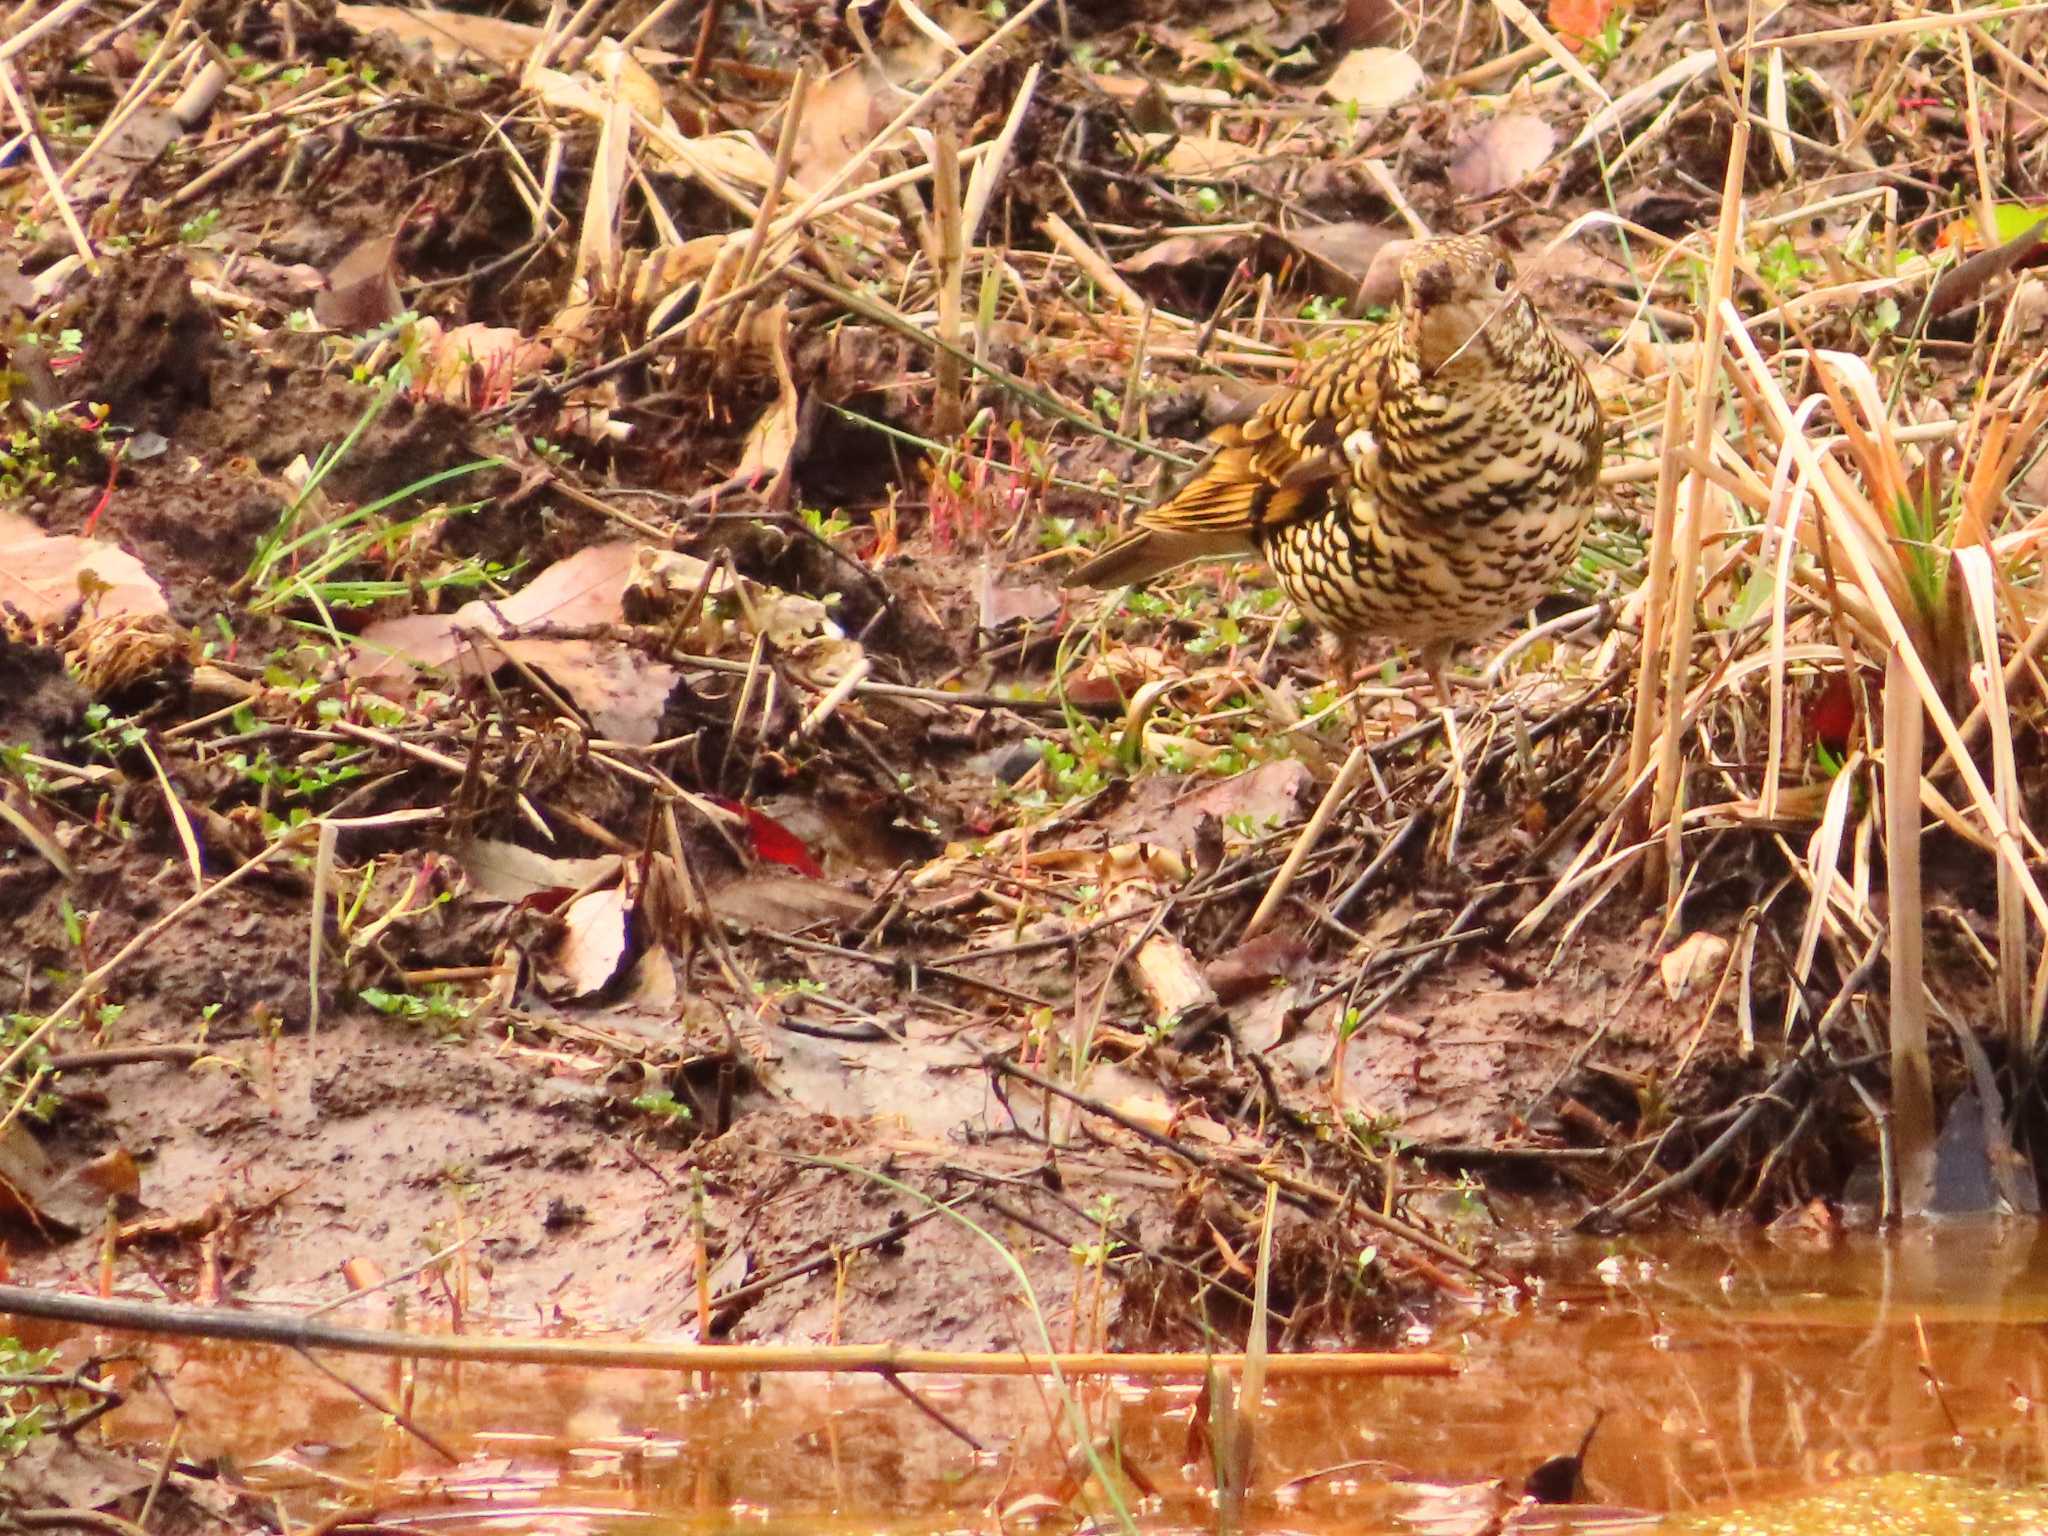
x=1686 y=539
x=1904 y=26
x=1912 y=1106
x=799 y=216
x=1305 y=844
x=40 y=28
x=949 y=269
x=53 y=182
x=1524 y=21
x=1656 y=597
x=1881 y=595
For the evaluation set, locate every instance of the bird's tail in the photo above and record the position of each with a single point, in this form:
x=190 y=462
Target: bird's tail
x=1212 y=517
x=1144 y=553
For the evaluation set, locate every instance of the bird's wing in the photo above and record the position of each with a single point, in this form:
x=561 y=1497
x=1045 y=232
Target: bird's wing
x=1283 y=463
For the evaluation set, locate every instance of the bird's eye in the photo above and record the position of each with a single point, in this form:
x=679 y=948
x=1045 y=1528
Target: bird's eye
x=1503 y=276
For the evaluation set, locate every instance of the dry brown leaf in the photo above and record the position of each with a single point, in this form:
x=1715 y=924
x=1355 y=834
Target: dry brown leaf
x=1198 y=156
x=1694 y=960
x=839 y=117
x=785 y=902
x=621 y=691
x=33 y=1196
x=1374 y=78
x=44 y=577
x=1347 y=248
x=362 y=290
x=508 y=872
x=1000 y=605
x=16 y=291
x=476 y=365
x=1186 y=250
x=1501 y=153
x=596 y=932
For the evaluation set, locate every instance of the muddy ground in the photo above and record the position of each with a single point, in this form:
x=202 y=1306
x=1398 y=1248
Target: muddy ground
x=644 y=951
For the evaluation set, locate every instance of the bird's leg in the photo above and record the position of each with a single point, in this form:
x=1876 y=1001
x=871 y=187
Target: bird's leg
x=1436 y=656
x=1436 y=659
x=1347 y=661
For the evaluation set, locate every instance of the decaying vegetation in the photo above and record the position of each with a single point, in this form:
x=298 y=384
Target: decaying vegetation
x=539 y=700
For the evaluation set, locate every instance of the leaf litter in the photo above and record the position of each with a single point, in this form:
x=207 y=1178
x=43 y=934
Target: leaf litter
x=725 y=782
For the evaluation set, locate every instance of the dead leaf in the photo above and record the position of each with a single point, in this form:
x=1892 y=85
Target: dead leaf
x=1002 y=605
x=1267 y=796
x=1374 y=78
x=651 y=986
x=784 y=902
x=1256 y=964
x=111 y=1173
x=508 y=872
x=1112 y=676
x=33 y=1197
x=765 y=454
x=839 y=118
x=582 y=591
x=1501 y=153
x=1367 y=21
x=1130 y=87
x=1185 y=250
x=475 y=366
x=44 y=576
x=596 y=931
x=362 y=290
x=1578 y=22
x=1347 y=248
x=1696 y=958
x=1198 y=156
x=622 y=691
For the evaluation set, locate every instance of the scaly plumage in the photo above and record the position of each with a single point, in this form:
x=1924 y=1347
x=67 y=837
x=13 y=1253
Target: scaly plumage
x=1428 y=481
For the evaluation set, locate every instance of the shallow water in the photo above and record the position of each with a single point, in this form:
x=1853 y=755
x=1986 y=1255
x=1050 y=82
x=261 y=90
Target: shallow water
x=1732 y=1375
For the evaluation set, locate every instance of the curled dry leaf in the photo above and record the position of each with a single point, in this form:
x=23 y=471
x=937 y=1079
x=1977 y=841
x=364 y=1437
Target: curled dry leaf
x=1501 y=153
x=622 y=690
x=840 y=116
x=33 y=1196
x=1694 y=960
x=1347 y=249
x=783 y=902
x=596 y=933
x=1112 y=676
x=1374 y=78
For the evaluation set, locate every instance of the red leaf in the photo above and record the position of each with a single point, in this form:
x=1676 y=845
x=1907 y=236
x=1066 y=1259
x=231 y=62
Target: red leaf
x=1576 y=21
x=771 y=840
x=1833 y=715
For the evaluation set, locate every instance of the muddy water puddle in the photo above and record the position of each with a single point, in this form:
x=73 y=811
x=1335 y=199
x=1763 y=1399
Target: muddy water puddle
x=1731 y=1375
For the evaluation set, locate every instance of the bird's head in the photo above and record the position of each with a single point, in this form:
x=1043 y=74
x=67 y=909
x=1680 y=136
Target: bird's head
x=1459 y=304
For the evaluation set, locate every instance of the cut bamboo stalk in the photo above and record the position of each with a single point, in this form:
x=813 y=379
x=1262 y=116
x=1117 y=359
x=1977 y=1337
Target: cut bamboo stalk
x=297 y=1332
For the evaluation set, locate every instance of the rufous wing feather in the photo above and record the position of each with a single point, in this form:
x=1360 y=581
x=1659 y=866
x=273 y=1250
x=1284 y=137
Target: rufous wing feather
x=1252 y=481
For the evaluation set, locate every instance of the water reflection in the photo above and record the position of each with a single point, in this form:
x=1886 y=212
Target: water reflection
x=1728 y=1370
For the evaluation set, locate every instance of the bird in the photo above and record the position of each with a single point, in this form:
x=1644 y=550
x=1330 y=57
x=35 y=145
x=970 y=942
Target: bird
x=1427 y=481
